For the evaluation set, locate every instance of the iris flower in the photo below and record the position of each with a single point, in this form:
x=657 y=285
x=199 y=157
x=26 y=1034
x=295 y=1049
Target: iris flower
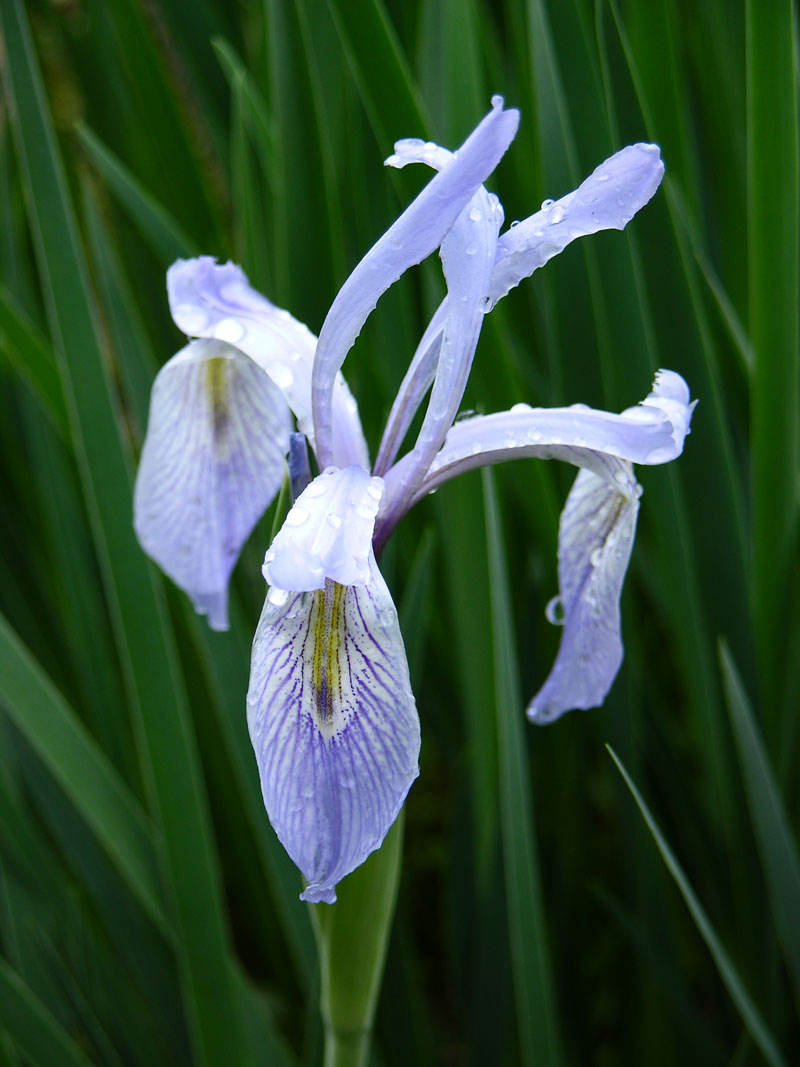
x=331 y=713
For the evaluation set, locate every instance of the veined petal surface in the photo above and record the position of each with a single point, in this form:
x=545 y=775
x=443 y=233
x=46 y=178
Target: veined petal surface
x=211 y=463
x=333 y=723
x=595 y=539
x=410 y=239
x=214 y=300
x=607 y=200
x=327 y=534
x=651 y=432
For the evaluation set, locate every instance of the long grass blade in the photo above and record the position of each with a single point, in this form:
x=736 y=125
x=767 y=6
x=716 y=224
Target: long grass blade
x=773 y=232
x=146 y=648
x=533 y=983
x=778 y=848
x=750 y=1014
x=32 y=1028
x=73 y=758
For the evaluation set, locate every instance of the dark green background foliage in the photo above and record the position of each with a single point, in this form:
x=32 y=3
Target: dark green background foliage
x=147 y=913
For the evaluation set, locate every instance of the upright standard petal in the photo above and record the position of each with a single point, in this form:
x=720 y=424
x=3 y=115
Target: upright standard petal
x=214 y=300
x=418 y=232
x=595 y=539
x=333 y=723
x=212 y=461
x=327 y=533
x=607 y=200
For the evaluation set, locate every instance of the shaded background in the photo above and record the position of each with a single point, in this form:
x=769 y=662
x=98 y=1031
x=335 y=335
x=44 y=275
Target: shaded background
x=147 y=913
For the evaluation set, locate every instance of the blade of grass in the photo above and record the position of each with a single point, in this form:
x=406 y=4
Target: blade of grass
x=533 y=983
x=73 y=758
x=31 y=1026
x=751 y=1017
x=773 y=215
x=145 y=644
x=165 y=237
x=32 y=358
x=381 y=70
x=776 y=844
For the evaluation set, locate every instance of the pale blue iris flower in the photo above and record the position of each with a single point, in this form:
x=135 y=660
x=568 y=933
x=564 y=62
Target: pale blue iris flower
x=330 y=708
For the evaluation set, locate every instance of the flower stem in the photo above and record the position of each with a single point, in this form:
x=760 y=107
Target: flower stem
x=352 y=935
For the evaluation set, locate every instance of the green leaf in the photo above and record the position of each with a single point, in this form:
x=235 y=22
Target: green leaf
x=31 y=1026
x=773 y=242
x=770 y=821
x=145 y=645
x=32 y=358
x=733 y=983
x=84 y=773
x=159 y=229
x=530 y=955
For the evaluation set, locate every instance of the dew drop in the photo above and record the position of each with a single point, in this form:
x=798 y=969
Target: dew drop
x=229 y=330
x=471 y=249
x=281 y=375
x=558 y=214
x=365 y=511
x=277 y=597
x=514 y=222
x=519 y=409
x=314 y=490
x=297 y=516
x=555 y=611
x=547 y=204
x=475 y=214
x=595 y=557
x=603 y=177
x=335 y=521
x=375 y=488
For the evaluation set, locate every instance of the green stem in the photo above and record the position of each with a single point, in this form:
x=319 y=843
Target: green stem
x=352 y=935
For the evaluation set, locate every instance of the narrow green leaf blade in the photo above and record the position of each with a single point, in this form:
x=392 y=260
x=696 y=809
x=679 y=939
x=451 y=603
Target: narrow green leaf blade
x=533 y=983
x=773 y=218
x=31 y=1026
x=733 y=983
x=770 y=822
x=75 y=761
x=146 y=646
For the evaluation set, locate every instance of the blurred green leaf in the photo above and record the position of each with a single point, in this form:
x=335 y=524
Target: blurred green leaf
x=741 y=998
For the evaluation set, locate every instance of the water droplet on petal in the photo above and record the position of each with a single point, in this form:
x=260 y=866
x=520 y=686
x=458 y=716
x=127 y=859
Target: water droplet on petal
x=281 y=375
x=475 y=214
x=229 y=330
x=335 y=521
x=518 y=409
x=471 y=249
x=547 y=204
x=314 y=490
x=375 y=488
x=277 y=597
x=514 y=222
x=297 y=516
x=558 y=214
x=555 y=611
x=595 y=557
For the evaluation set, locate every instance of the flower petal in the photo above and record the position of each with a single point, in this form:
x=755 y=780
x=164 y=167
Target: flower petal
x=413 y=236
x=214 y=300
x=594 y=546
x=211 y=463
x=607 y=200
x=651 y=432
x=333 y=723
x=327 y=533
